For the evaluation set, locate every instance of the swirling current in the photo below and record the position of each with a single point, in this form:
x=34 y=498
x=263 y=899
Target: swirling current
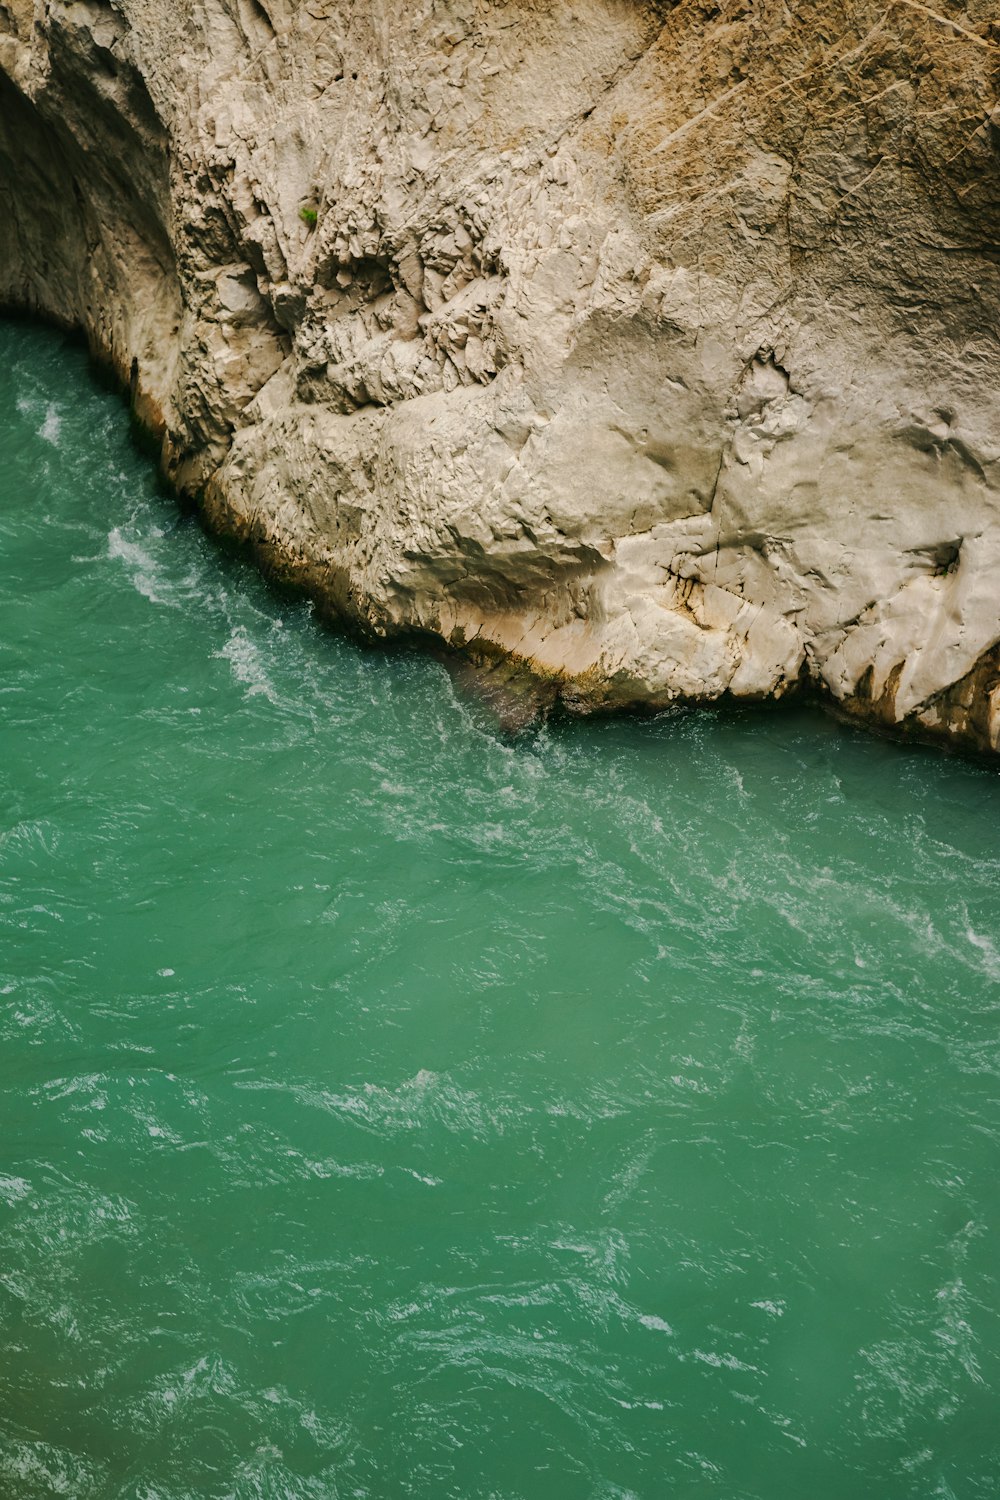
x=390 y=1109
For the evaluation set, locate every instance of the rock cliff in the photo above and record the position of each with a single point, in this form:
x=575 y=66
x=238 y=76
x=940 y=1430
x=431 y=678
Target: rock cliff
x=653 y=347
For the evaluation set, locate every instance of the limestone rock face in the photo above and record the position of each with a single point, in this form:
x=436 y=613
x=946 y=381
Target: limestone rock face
x=654 y=346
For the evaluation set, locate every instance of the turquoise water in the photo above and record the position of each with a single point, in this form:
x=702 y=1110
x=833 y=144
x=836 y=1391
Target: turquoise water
x=388 y=1109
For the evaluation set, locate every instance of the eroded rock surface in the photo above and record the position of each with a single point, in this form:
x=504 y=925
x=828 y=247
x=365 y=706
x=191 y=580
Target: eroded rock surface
x=655 y=346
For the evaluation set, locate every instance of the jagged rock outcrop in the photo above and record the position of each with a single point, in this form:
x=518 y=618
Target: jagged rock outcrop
x=653 y=346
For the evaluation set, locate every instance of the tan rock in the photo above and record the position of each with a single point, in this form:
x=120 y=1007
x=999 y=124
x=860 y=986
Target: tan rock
x=654 y=345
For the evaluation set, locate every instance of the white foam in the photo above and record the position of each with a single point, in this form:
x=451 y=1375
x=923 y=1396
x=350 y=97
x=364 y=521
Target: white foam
x=35 y=408
x=246 y=664
x=650 y=1320
x=722 y=1361
x=988 y=949
x=13 y=1189
x=142 y=567
x=52 y=426
x=419 y=1176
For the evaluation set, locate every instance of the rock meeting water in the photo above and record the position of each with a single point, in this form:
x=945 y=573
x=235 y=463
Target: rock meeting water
x=390 y=1109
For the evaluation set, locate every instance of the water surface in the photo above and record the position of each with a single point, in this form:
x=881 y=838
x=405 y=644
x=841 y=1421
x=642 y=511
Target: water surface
x=388 y=1109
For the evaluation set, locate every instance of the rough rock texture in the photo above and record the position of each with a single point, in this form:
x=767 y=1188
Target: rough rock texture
x=655 y=346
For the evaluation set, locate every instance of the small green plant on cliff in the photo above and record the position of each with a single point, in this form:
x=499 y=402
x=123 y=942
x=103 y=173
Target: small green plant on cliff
x=308 y=215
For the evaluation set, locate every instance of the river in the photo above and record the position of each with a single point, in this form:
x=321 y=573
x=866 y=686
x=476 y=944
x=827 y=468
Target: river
x=391 y=1108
